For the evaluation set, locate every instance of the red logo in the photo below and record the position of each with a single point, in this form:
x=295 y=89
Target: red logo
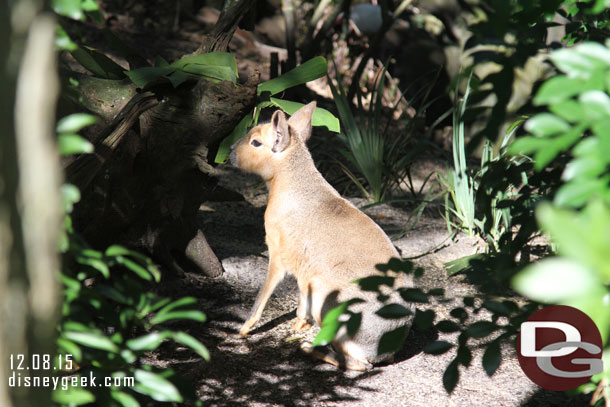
x=559 y=348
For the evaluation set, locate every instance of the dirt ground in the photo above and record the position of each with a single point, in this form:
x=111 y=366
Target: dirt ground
x=269 y=369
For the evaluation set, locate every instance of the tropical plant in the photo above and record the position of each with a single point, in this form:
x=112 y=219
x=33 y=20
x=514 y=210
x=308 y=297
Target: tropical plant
x=573 y=127
x=109 y=318
x=382 y=160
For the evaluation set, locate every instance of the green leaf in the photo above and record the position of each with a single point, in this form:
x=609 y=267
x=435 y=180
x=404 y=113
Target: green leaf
x=124 y=399
x=238 y=132
x=67 y=347
x=223 y=61
x=575 y=64
x=98 y=63
x=156 y=387
x=73 y=396
x=69 y=144
x=569 y=110
x=327 y=333
x=69 y=196
x=187 y=340
x=492 y=357
x=68 y=8
x=313 y=69
x=92 y=340
x=481 y=329
x=393 y=311
x=451 y=376
x=321 y=117
x=596 y=104
x=555 y=280
x=558 y=89
x=392 y=341
x=63 y=42
x=97 y=264
x=438 y=347
x=75 y=122
x=135 y=267
x=546 y=124
x=194 y=315
x=178 y=303
x=146 y=76
x=150 y=341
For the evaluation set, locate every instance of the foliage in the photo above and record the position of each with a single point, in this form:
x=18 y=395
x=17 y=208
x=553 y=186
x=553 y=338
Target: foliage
x=510 y=33
x=575 y=120
x=308 y=71
x=106 y=304
x=468 y=198
x=382 y=160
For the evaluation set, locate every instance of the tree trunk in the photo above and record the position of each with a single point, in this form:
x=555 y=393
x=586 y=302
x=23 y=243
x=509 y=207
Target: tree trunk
x=30 y=211
x=148 y=177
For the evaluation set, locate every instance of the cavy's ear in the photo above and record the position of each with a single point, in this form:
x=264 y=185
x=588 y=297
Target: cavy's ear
x=300 y=121
x=280 y=130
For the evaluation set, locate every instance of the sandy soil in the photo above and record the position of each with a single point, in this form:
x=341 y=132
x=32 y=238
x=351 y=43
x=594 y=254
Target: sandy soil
x=268 y=368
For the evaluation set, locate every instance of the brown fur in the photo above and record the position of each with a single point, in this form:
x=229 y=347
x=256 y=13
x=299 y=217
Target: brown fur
x=316 y=235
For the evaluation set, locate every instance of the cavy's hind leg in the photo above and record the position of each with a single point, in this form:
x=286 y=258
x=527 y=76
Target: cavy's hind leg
x=338 y=359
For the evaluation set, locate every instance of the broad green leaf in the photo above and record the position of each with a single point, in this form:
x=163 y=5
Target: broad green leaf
x=187 y=340
x=73 y=396
x=569 y=110
x=67 y=347
x=92 y=340
x=97 y=264
x=393 y=311
x=69 y=196
x=546 y=124
x=321 y=117
x=558 y=89
x=574 y=64
x=554 y=280
x=124 y=399
x=168 y=316
x=327 y=333
x=582 y=236
x=238 y=132
x=214 y=73
x=492 y=357
x=313 y=69
x=178 y=303
x=143 y=77
x=596 y=104
x=481 y=329
x=98 y=63
x=150 y=341
x=68 y=8
x=578 y=192
x=392 y=341
x=63 y=42
x=156 y=387
x=596 y=304
x=142 y=272
x=69 y=144
x=438 y=347
x=210 y=59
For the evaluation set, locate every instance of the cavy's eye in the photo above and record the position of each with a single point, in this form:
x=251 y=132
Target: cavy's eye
x=256 y=143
